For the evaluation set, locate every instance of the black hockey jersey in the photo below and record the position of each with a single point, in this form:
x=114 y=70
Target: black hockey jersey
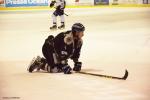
x=67 y=47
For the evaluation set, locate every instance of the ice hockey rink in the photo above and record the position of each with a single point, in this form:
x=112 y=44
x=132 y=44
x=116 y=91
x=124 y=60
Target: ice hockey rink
x=115 y=39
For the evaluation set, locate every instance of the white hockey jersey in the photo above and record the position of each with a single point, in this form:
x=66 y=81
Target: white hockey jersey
x=60 y=3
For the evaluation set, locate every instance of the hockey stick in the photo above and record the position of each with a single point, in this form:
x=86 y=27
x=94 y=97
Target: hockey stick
x=66 y=14
x=107 y=76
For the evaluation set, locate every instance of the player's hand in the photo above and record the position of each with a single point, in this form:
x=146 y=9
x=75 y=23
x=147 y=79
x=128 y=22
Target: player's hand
x=52 y=4
x=67 y=69
x=77 y=66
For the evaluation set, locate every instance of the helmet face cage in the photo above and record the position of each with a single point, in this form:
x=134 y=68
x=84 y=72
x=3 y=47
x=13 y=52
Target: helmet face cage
x=77 y=27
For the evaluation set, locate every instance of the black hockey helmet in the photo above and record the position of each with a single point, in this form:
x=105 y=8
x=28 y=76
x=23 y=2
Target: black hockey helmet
x=77 y=27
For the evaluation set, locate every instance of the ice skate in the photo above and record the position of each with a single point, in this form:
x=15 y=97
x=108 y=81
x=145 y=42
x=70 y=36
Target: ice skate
x=61 y=26
x=35 y=64
x=54 y=27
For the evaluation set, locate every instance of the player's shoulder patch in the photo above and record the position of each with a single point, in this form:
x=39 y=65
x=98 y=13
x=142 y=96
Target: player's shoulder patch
x=68 y=39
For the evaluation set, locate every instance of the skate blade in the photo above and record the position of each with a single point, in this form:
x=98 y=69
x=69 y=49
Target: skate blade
x=61 y=28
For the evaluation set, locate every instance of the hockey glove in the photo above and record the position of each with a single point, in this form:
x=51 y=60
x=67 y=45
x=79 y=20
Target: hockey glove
x=52 y=4
x=67 y=69
x=77 y=66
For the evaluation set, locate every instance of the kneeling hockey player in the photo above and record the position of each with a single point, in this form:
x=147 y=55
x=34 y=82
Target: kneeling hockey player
x=57 y=50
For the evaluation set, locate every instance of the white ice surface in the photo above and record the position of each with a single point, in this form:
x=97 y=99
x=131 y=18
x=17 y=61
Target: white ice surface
x=115 y=39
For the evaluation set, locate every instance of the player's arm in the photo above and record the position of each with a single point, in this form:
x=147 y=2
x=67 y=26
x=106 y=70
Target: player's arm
x=75 y=57
x=77 y=51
